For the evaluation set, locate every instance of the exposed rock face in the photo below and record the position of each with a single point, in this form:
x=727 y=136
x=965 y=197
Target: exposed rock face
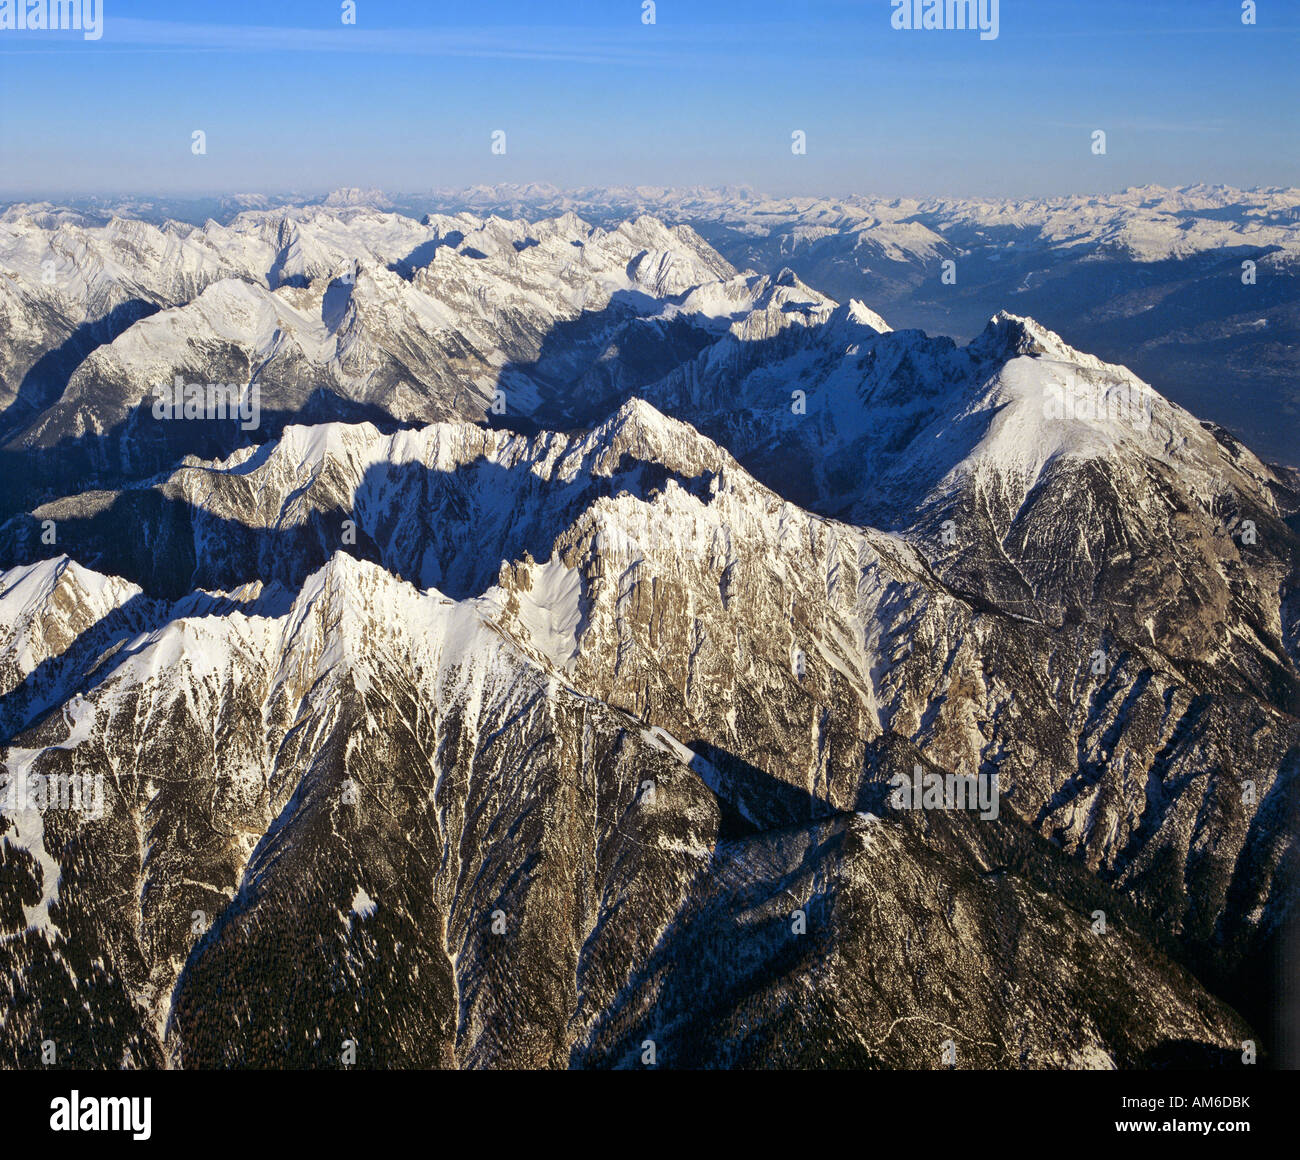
x=376 y=776
x=478 y=747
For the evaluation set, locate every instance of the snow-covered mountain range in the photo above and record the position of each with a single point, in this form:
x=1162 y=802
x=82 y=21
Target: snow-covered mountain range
x=1151 y=277
x=526 y=686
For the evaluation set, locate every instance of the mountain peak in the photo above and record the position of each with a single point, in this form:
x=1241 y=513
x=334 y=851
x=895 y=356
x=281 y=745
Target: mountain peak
x=352 y=196
x=1010 y=335
x=859 y=313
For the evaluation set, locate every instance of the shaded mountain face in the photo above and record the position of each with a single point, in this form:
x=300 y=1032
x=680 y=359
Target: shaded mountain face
x=570 y=732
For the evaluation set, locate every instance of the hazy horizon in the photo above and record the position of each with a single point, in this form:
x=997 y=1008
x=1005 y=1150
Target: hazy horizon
x=399 y=196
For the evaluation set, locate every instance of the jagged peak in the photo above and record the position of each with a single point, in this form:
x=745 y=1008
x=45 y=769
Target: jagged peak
x=1008 y=336
x=786 y=287
x=568 y=223
x=32 y=585
x=637 y=419
x=352 y=196
x=302 y=444
x=860 y=314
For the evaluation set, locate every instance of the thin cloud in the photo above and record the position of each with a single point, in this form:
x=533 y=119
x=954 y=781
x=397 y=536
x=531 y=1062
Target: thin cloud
x=1143 y=126
x=635 y=46
x=561 y=45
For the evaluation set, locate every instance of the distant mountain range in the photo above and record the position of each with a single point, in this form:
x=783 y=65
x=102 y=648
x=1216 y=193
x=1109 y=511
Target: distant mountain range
x=531 y=683
x=1150 y=277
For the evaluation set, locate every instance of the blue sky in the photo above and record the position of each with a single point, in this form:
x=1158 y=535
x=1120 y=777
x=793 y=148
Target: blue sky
x=407 y=99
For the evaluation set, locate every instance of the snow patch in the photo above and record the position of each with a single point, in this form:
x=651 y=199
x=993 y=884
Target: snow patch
x=549 y=612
